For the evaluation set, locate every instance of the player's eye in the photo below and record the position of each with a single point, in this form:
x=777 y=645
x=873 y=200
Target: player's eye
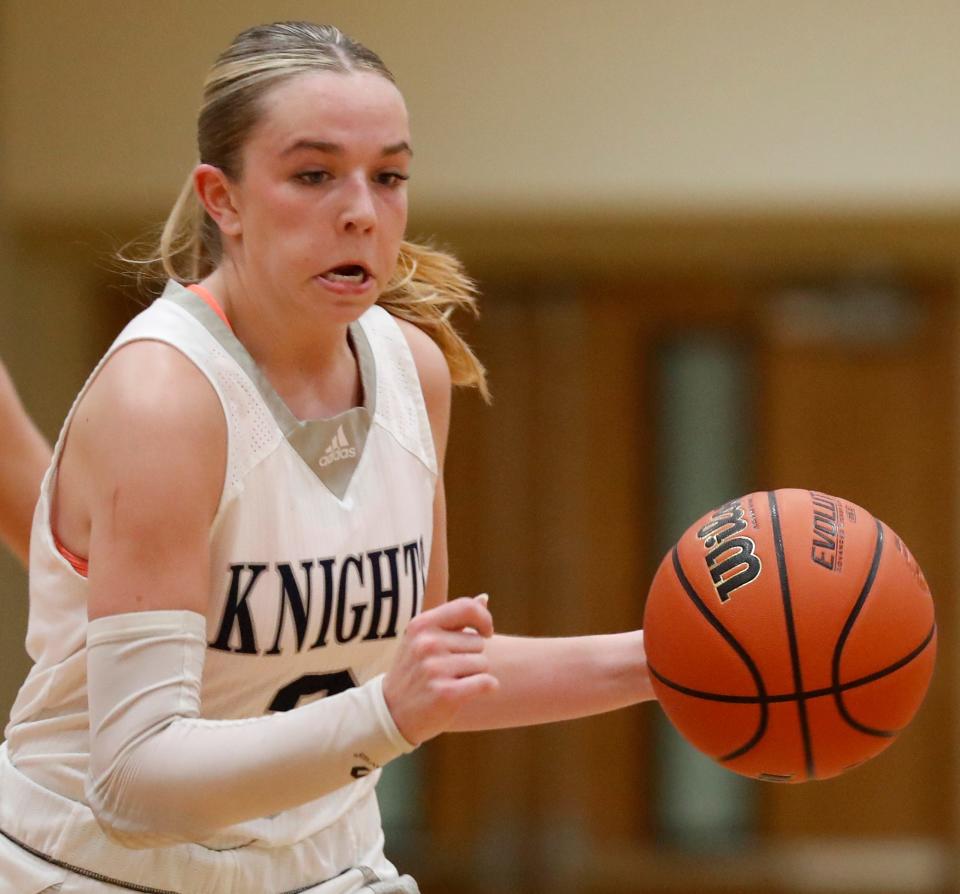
x=391 y=178
x=312 y=178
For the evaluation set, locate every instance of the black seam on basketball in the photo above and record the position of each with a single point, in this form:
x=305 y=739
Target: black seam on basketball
x=876 y=675
x=791 y=634
x=739 y=649
x=845 y=633
x=791 y=696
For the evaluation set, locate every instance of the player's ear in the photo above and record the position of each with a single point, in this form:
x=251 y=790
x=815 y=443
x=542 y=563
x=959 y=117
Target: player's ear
x=215 y=192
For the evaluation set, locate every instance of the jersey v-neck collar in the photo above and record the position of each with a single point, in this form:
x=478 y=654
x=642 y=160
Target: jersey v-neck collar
x=330 y=447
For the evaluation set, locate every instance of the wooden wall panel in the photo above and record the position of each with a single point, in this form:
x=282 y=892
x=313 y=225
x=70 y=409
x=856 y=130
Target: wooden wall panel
x=876 y=423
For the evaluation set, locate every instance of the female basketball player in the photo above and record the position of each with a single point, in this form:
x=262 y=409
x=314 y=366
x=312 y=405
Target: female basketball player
x=238 y=595
x=24 y=459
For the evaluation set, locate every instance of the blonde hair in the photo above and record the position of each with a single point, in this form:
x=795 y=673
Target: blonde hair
x=428 y=285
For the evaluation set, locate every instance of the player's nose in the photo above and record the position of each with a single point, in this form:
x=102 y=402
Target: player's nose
x=358 y=213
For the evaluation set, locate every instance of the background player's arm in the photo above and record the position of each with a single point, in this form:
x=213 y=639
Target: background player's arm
x=24 y=458
x=540 y=680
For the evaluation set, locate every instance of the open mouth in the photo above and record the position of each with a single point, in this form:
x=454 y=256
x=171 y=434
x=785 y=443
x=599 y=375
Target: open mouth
x=347 y=273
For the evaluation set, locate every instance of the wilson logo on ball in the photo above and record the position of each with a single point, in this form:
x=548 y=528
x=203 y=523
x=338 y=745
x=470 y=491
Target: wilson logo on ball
x=731 y=559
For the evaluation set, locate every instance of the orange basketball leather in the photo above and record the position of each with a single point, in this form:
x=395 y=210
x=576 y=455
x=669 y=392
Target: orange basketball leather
x=790 y=635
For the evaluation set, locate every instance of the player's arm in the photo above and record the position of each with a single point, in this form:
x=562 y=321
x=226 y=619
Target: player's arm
x=540 y=680
x=141 y=481
x=436 y=386
x=559 y=678
x=437 y=646
x=23 y=460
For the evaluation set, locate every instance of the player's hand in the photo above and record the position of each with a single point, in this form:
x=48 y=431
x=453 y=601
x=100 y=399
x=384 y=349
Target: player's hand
x=440 y=666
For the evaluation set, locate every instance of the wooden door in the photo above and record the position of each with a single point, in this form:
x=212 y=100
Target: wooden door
x=871 y=417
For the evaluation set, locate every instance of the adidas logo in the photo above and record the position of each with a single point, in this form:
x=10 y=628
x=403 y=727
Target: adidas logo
x=339 y=449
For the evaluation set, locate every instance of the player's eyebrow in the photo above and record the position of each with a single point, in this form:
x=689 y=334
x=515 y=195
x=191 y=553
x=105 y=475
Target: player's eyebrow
x=397 y=148
x=337 y=148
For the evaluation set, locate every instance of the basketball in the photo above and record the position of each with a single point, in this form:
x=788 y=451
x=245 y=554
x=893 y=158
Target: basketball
x=790 y=635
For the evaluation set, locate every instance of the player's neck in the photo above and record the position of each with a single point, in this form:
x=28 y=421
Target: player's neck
x=308 y=362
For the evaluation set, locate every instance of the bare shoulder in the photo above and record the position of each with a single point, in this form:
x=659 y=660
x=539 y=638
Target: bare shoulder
x=150 y=393
x=435 y=382
x=141 y=478
x=431 y=364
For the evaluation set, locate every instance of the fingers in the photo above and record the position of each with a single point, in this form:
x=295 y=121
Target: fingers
x=459 y=665
x=442 y=664
x=466 y=641
x=433 y=642
x=456 y=615
x=477 y=684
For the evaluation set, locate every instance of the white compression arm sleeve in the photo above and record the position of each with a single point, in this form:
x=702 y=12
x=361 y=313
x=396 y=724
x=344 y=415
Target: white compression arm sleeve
x=159 y=773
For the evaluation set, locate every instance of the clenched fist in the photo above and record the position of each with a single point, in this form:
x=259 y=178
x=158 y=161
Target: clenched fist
x=441 y=665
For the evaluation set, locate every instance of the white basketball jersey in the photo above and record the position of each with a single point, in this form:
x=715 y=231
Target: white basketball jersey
x=319 y=552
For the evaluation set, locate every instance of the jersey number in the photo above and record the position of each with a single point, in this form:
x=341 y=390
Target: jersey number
x=312 y=684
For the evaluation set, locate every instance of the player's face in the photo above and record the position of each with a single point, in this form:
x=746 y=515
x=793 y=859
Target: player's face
x=322 y=195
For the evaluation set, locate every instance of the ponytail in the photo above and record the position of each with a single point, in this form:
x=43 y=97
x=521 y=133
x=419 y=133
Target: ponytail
x=185 y=250
x=428 y=287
